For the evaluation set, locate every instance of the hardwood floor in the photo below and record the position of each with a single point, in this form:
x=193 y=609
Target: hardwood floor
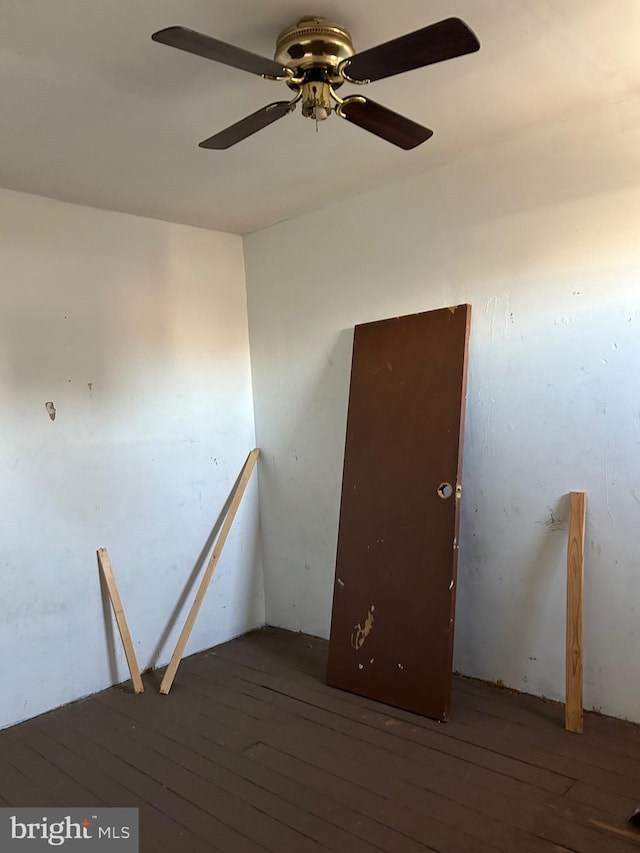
x=251 y=751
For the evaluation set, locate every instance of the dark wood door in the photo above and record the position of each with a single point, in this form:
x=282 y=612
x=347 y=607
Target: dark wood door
x=394 y=594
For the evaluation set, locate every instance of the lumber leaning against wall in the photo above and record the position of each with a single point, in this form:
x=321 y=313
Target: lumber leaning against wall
x=575 y=596
x=107 y=572
x=174 y=663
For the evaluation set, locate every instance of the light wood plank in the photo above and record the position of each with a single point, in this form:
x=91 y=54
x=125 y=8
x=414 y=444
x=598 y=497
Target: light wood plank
x=107 y=572
x=178 y=652
x=575 y=593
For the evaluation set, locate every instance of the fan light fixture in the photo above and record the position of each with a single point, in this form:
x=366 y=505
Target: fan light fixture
x=316 y=100
x=315 y=57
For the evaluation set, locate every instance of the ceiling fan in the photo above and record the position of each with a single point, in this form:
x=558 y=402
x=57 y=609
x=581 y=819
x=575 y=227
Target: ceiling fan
x=315 y=57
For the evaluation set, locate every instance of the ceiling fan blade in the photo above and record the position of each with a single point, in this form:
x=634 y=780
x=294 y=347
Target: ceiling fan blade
x=386 y=124
x=435 y=43
x=248 y=126
x=219 y=51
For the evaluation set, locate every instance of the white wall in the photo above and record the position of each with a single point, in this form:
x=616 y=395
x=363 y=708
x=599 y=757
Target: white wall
x=541 y=235
x=137 y=331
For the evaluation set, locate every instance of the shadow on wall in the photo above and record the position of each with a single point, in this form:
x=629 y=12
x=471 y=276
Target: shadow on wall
x=244 y=608
x=312 y=442
x=539 y=573
x=190 y=583
x=539 y=576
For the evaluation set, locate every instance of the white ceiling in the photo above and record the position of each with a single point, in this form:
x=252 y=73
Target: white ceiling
x=92 y=111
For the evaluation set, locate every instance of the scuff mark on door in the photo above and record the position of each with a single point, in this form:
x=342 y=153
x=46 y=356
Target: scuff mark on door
x=361 y=632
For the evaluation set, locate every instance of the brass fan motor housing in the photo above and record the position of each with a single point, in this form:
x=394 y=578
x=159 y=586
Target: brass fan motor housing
x=317 y=43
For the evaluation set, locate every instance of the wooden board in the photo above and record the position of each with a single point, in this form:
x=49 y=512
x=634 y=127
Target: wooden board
x=107 y=572
x=178 y=652
x=394 y=594
x=575 y=593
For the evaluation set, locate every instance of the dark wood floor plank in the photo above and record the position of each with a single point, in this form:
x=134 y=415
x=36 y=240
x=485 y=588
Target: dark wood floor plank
x=556 y=743
x=548 y=708
x=277 y=658
x=430 y=831
x=471 y=808
x=511 y=802
x=475 y=754
x=286 y=734
x=620 y=821
x=211 y=768
x=19 y=790
x=428 y=760
x=593 y=747
x=147 y=790
x=157 y=831
x=518 y=807
x=177 y=723
x=308 y=654
x=247 y=821
x=502 y=740
x=252 y=751
x=459 y=815
x=606 y=804
x=549 y=718
x=41 y=772
x=302 y=763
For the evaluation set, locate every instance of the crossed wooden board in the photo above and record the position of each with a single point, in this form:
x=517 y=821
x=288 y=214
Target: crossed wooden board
x=575 y=575
x=107 y=571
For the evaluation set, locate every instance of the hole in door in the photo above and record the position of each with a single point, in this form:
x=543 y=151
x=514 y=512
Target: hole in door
x=445 y=490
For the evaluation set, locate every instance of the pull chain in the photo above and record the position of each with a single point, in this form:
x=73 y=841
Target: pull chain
x=315 y=109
